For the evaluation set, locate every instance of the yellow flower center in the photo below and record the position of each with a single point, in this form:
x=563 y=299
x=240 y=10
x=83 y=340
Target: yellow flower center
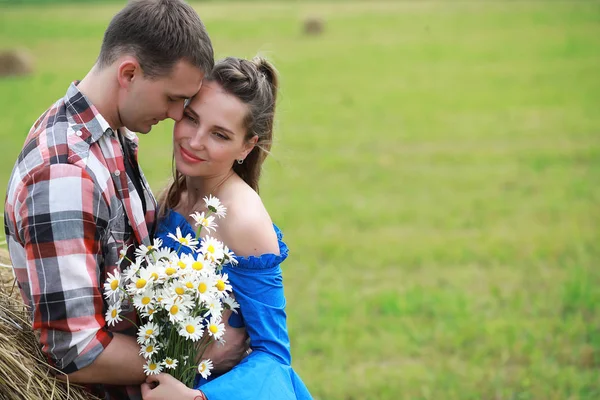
x=149 y=332
x=181 y=264
x=179 y=290
x=204 y=222
x=170 y=271
x=213 y=329
x=150 y=248
x=190 y=329
x=174 y=310
x=145 y=300
x=202 y=367
x=210 y=248
x=189 y=285
x=197 y=265
x=149 y=349
x=151 y=311
x=220 y=285
x=152 y=367
x=140 y=283
x=183 y=241
x=168 y=361
x=202 y=287
x=113 y=313
x=114 y=284
x=154 y=276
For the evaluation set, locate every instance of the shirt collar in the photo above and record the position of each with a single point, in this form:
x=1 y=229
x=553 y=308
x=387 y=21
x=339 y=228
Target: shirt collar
x=84 y=113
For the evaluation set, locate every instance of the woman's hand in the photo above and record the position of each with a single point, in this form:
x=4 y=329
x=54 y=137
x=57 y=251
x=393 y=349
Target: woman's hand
x=228 y=355
x=168 y=388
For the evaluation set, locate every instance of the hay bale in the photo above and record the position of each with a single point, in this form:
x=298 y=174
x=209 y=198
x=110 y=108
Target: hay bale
x=314 y=26
x=15 y=63
x=24 y=373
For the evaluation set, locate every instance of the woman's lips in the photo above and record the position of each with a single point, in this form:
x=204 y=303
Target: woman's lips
x=189 y=156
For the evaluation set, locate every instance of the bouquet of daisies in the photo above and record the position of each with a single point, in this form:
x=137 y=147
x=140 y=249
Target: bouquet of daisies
x=179 y=298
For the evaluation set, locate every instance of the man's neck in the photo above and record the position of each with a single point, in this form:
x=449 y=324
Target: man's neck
x=100 y=87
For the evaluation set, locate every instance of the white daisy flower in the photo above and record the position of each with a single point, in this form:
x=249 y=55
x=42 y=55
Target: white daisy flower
x=199 y=264
x=163 y=254
x=148 y=332
x=177 y=308
x=184 y=261
x=149 y=349
x=141 y=281
x=156 y=272
x=191 y=328
x=143 y=250
x=170 y=363
x=204 y=368
x=211 y=249
x=215 y=327
x=231 y=304
x=152 y=368
x=205 y=221
x=171 y=269
x=189 y=281
x=111 y=286
x=149 y=314
x=215 y=308
x=222 y=285
x=186 y=240
x=177 y=288
x=113 y=315
x=214 y=205
x=143 y=301
x=123 y=254
x=132 y=269
x=229 y=256
x=205 y=287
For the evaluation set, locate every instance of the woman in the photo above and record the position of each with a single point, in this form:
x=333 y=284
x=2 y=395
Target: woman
x=219 y=147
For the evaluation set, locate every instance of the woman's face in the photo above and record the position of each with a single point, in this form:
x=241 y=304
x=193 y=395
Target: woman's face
x=211 y=134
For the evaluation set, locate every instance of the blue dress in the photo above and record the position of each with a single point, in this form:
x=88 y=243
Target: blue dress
x=257 y=285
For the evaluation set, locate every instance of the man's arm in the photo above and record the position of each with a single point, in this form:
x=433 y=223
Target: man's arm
x=61 y=220
x=119 y=364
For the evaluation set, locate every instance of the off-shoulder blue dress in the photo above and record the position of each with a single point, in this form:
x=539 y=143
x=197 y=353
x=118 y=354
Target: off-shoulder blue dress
x=257 y=285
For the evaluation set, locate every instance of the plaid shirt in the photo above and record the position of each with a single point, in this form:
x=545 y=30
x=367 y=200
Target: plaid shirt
x=70 y=209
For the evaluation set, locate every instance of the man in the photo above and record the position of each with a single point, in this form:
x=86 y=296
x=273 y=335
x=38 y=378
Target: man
x=77 y=198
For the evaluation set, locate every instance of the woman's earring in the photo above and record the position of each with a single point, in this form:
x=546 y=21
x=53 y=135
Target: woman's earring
x=241 y=160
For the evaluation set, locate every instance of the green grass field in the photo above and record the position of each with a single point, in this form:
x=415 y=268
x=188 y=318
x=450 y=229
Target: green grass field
x=436 y=173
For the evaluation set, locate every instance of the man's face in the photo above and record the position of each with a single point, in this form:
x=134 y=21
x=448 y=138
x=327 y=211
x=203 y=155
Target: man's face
x=148 y=101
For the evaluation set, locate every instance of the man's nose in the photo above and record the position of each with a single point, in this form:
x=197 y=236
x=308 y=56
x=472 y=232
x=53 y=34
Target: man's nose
x=175 y=110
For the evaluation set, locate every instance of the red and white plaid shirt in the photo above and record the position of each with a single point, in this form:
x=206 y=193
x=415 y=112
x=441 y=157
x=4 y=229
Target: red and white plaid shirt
x=70 y=209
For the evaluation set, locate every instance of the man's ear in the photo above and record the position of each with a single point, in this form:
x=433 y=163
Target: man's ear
x=128 y=70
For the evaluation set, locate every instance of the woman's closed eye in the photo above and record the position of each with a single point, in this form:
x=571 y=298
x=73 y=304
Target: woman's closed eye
x=190 y=117
x=220 y=135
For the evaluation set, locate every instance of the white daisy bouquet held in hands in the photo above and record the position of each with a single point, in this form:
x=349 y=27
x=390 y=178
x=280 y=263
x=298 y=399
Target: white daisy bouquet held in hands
x=179 y=298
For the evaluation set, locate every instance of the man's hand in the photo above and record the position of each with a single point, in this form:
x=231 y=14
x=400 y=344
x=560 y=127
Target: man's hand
x=224 y=357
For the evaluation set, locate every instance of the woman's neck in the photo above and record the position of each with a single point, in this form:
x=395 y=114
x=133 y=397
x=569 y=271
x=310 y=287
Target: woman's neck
x=199 y=188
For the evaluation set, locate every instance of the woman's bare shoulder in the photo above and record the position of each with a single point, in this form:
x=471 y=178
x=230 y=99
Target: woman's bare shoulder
x=247 y=229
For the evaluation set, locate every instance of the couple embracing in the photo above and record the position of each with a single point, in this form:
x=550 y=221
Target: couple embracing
x=77 y=199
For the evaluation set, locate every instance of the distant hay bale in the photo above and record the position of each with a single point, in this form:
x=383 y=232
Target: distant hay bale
x=15 y=63
x=24 y=373
x=314 y=26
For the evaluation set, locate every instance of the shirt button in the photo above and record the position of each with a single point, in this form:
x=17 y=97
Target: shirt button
x=78 y=133
x=117 y=173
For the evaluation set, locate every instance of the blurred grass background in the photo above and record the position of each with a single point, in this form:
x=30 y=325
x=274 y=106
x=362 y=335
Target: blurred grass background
x=436 y=174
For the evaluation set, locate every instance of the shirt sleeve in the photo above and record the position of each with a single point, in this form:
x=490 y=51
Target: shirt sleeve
x=61 y=220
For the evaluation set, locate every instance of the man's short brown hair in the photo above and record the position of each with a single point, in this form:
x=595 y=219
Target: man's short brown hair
x=159 y=33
